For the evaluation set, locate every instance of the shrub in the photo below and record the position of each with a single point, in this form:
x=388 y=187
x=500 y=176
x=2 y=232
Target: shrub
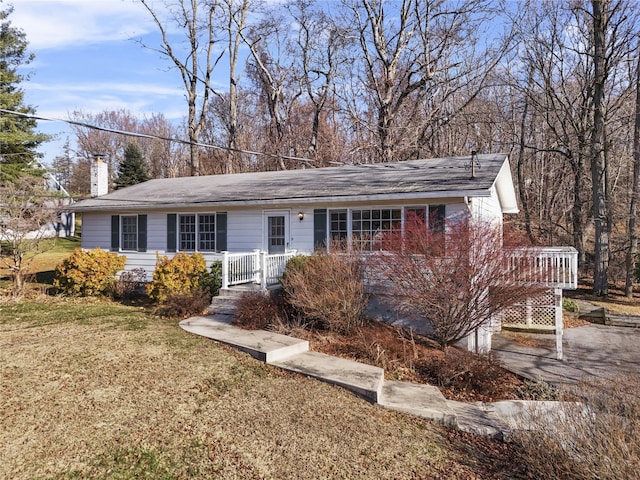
x=256 y=311
x=88 y=272
x=177 y=276
x=471 y=374
x=596 y=437
x=130 y=282
x=183 y=305
x=327 y=290
x=213 y=279
x=570 y=305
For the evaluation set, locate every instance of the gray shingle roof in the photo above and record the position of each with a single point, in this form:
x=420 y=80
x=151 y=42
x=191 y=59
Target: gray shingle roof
x=446 y=177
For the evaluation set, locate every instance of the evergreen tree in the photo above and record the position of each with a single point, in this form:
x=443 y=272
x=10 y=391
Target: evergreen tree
x=18 y=140
x=133 y=168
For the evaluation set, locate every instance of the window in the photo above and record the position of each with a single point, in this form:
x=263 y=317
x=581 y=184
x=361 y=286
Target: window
x=196 y=232
x=207 y=232
x=366 y=227
x=338 y=225
x=187 y=233
x=129 y=232
x=369 y=226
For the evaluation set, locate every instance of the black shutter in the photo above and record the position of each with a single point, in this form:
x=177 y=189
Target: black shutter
x=115 y=233
x=221 y=231
x=172 y=219
x=320 y=228
x=142 y=233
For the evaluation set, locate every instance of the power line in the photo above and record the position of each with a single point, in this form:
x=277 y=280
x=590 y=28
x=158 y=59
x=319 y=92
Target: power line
x=167 y=139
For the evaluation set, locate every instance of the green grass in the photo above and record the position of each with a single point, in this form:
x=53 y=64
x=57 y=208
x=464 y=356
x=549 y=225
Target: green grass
x=43 y=264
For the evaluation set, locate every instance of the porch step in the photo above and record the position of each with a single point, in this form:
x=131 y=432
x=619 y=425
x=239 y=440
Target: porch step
x=223 y=305
x=362 y=379
x=266 y=346
x=237 y=291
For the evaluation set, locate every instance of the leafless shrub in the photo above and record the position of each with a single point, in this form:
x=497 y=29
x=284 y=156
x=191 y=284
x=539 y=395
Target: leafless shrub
x=594 y=435
x=465 y=371
x=129 y=282
x=256 y=311
x=182 y=305
x=458 y=279
x=327 y=289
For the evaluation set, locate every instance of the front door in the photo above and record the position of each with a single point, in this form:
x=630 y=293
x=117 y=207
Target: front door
x=276 y=233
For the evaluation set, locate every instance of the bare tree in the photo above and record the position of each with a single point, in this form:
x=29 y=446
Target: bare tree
x=408 y=46
x=319 y=47
x=26 y=210
x=271 y=70
x=195 y=63
x=631 y=254
x=457 y=279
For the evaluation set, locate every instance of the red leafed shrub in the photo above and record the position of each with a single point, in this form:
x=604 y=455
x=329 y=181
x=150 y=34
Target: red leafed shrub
x=458 y=278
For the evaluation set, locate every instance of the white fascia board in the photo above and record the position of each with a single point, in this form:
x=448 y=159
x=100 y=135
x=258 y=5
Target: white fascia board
x=332 y=200
x=506 y=190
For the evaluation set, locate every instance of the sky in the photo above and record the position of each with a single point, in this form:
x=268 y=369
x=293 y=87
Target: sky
x=87 y=58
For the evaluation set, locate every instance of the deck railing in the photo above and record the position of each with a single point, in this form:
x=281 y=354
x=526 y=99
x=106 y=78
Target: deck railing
x=554 y=267
x=255 y=267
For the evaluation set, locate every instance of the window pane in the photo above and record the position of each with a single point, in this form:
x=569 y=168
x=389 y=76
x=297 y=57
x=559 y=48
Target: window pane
x=207 y=232
x=187 y=232
x=129 y=232
x=338 y=223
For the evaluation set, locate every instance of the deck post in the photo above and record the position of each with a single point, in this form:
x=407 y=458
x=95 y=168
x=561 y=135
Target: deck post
x=263 y=270
x=559 y=322
x=225 y=269
x=257 y=265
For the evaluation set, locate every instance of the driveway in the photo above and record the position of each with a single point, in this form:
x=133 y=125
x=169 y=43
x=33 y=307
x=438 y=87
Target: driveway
x=590 y=350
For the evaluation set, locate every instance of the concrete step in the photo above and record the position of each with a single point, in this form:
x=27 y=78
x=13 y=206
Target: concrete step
x=223 y=305
x=424 y=401
x=263 y=345
x=362 y=379
x=473 y=418
x=236 y=291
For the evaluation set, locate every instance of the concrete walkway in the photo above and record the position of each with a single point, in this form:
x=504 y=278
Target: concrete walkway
x=589 y=351
x=293 y=354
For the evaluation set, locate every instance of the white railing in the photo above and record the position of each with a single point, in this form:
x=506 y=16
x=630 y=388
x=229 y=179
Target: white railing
x=555 y=267
x=255 y=267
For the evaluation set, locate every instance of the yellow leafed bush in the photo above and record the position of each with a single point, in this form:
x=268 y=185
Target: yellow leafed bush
x=88 y=272
x=179 y=275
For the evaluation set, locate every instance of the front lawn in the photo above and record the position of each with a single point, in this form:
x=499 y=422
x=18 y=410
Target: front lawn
x=95 y=389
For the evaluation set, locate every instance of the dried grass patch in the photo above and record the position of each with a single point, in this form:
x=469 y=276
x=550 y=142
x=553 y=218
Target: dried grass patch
x=414 y=358
x=97 y=390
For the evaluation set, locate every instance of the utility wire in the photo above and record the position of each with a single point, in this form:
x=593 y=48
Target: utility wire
x=167 y=139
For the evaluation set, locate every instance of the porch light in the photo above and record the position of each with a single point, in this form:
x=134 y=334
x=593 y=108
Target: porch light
x=300 y=216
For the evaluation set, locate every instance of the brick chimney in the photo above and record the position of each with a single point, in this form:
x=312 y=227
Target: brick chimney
x=99 y=176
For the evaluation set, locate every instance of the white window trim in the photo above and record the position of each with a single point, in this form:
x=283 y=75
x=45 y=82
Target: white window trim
x=121 y=233
x=197 y=232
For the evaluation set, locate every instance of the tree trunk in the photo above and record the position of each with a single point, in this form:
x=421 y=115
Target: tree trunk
x=630 y=260
x=598 y=158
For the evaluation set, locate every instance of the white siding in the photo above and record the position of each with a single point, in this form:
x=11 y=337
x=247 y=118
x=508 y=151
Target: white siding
x=244 y=230
x=157 y=232
x=96 y=231
x=487 y=209
x=301 y=232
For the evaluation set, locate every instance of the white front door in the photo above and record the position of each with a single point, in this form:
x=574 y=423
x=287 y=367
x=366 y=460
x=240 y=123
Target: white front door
x=277 y=231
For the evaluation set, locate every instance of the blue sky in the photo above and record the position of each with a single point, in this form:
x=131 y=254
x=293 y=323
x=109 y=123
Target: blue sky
x=87 y=59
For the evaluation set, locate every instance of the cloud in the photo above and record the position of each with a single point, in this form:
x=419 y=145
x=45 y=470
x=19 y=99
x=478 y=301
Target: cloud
x=62 y=23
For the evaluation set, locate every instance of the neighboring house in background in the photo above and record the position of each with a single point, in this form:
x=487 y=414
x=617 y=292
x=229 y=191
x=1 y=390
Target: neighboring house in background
x=64 y=226
x=258 y=219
